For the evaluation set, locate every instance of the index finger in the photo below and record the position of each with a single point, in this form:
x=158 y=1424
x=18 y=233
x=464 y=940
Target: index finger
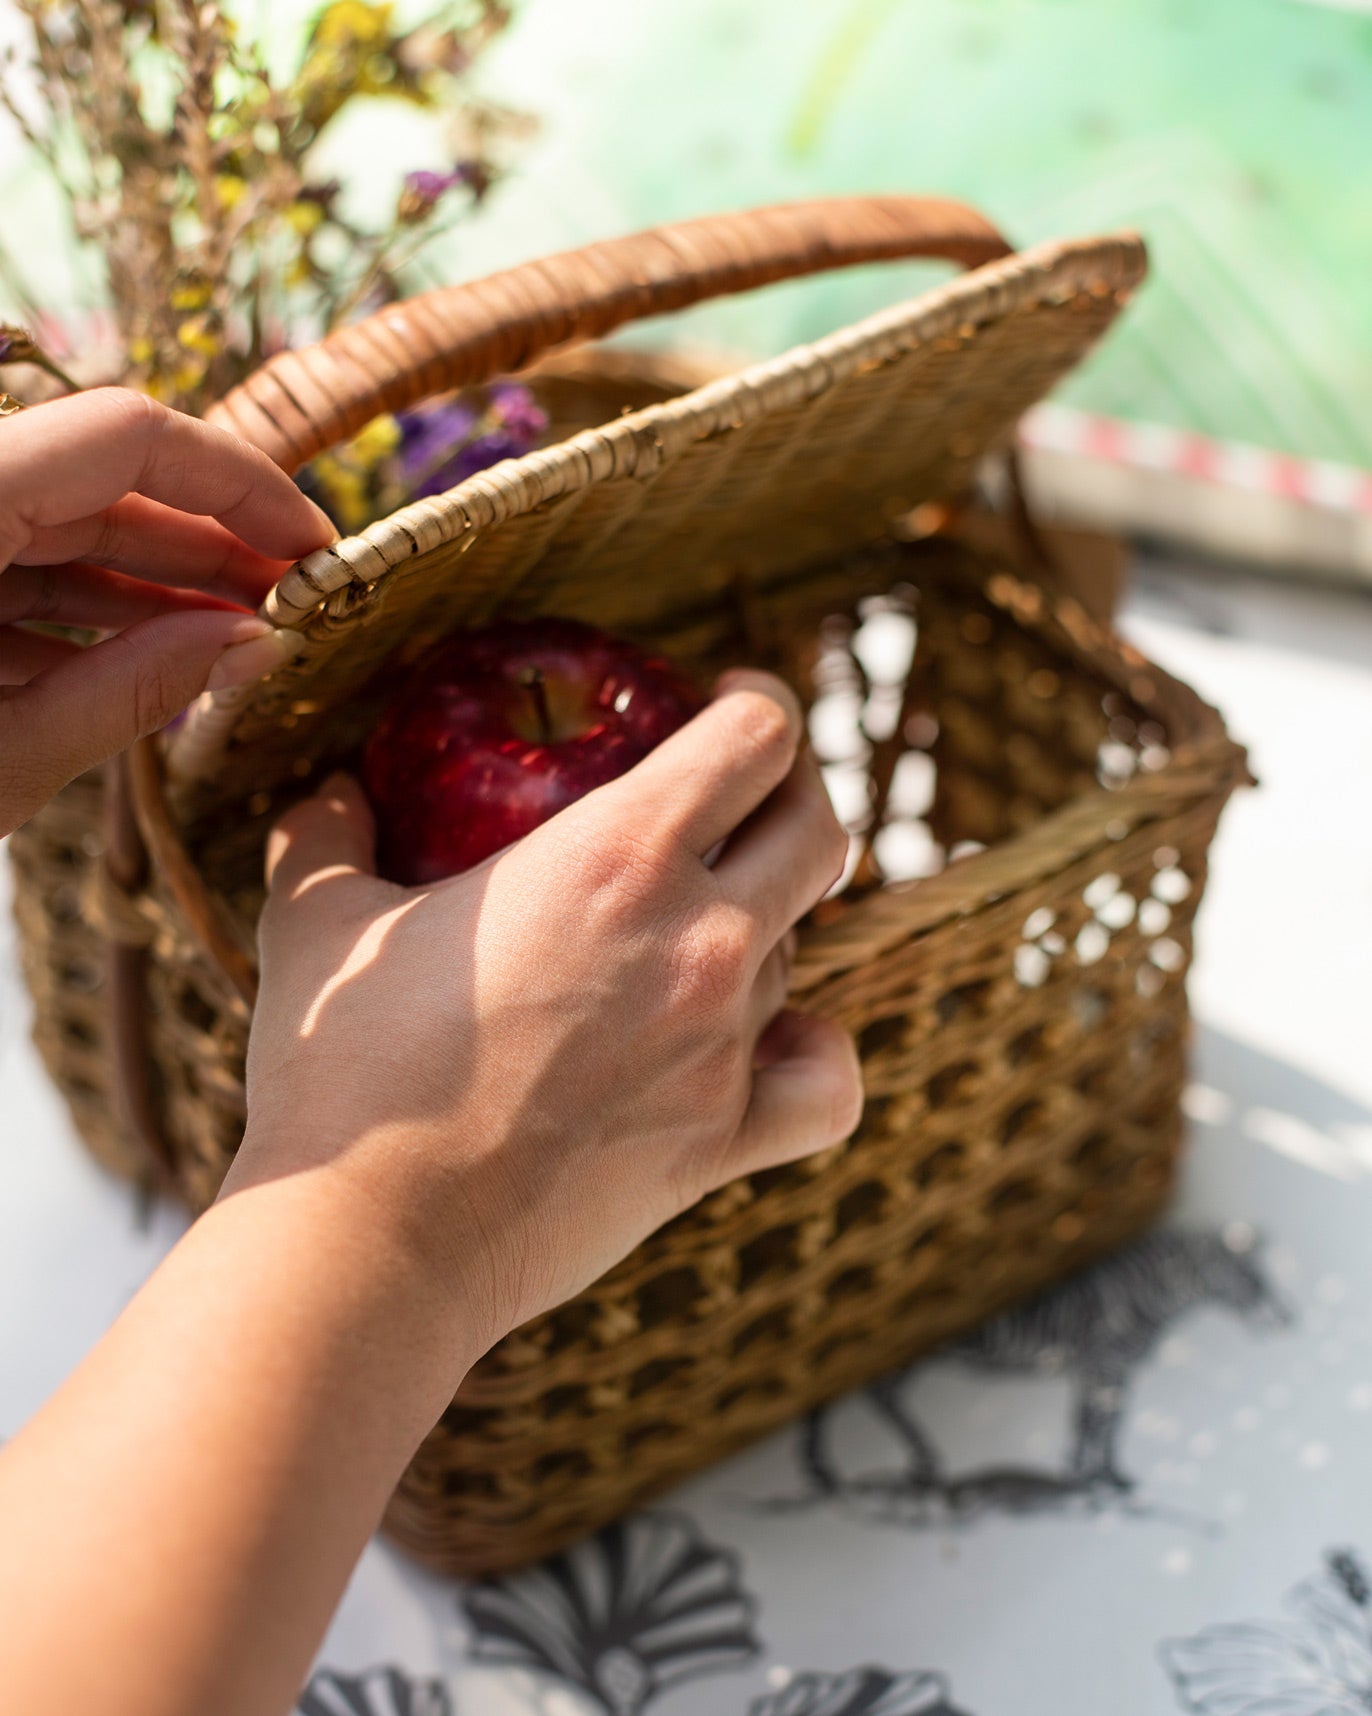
x=71 y=457
x=704 y=779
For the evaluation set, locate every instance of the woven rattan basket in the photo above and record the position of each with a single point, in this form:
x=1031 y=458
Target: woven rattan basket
x=1021 y=1012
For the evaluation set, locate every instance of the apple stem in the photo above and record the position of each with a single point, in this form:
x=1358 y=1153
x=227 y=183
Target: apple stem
x=532 y=681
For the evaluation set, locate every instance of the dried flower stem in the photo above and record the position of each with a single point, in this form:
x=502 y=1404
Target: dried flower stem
x=218 y=241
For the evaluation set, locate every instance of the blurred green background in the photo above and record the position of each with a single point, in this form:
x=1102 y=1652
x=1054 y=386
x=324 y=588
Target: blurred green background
x=1235 y=134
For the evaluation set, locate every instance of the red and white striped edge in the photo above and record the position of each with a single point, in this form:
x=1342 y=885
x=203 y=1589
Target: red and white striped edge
x=1223 y=497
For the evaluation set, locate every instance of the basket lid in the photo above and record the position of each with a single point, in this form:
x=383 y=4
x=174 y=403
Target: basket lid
x=773 y=467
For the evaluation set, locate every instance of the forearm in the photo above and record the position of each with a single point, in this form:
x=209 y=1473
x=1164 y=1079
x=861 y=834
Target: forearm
x=181 y=1518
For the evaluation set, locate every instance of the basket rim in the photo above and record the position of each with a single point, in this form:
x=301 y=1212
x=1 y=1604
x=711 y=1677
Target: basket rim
x=1204 y=760
x=324 y=596
x=638 y=442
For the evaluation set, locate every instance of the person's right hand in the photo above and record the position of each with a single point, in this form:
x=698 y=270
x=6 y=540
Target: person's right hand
x=500 y=1084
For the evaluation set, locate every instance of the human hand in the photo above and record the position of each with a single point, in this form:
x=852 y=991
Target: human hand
x=120 y=514
x=516 y=1075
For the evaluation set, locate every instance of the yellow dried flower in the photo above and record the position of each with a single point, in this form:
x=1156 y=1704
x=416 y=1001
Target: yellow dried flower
x=191 y=294
x=352 y=23
x=346 y=491
x=198 y=335
x=141 y=349
x=376 y=442
x=188 y=376
x=231 y=189
x=303 y=217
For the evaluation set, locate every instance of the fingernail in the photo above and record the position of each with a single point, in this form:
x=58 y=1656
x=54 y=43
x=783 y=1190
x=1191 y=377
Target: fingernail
x=258 y=650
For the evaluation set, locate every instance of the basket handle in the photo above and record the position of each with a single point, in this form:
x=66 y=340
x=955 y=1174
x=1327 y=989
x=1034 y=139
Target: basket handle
x=300 y=402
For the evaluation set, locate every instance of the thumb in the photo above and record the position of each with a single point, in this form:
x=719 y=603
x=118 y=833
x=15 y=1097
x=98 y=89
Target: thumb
x=97 y=701
x=807 y=1093
x=320 y=839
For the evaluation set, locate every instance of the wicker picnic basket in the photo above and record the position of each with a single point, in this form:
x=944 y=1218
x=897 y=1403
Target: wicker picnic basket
x=1021 y=1009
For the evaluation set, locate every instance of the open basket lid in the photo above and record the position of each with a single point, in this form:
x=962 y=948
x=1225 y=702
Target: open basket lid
x=783 y=463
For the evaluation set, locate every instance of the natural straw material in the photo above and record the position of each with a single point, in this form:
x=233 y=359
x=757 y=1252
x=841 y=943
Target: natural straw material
x=1021 y=1013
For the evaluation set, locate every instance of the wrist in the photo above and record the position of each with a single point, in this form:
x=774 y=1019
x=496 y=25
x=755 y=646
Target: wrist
x=366 y=1258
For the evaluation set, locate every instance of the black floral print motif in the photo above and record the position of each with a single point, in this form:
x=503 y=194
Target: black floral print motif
x=1097 y=1328
x=1319 y=1664
x=645 y=1603
x=383 y=1691
x=860 y=1692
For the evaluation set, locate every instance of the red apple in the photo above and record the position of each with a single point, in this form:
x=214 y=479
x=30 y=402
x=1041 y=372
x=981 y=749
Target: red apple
x=502 y=728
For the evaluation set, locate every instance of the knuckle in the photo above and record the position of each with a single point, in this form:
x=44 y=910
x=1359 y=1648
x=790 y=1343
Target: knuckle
x=131 y=413
x=712 y=959
x=146 y=424
x=106 y=538
x=610 y=871
x=763 y=730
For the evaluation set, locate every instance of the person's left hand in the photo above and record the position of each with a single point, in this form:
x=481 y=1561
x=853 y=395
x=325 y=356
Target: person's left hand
x=121 y=515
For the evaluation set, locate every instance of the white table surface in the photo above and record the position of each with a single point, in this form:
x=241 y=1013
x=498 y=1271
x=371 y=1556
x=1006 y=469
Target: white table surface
x=1231 y=1578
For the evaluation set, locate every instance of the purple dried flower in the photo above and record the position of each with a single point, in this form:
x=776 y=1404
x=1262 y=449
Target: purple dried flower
x=478 y=455
x=516 y=411
x=422 y=190
x=431 y=186
x=466 y=461
x=443 y=445
x=428 y=440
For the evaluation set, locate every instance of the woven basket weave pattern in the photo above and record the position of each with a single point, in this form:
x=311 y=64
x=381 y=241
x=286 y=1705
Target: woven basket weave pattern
x=1021 y=1014
x=1013 y=1129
